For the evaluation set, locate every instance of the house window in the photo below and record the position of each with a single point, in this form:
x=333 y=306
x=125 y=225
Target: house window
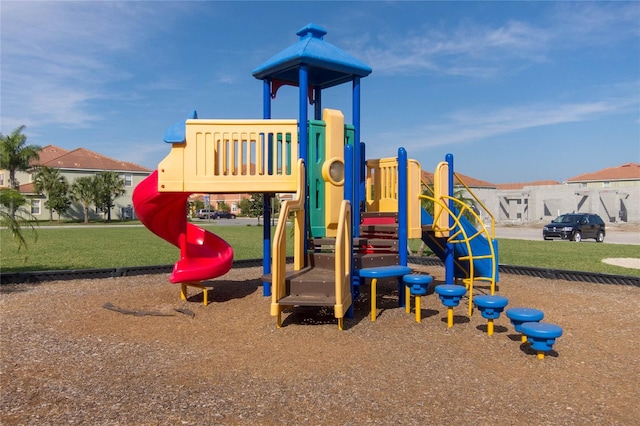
x=35 y=207
x=128 y=179
x=606 y=184
x=1 y=179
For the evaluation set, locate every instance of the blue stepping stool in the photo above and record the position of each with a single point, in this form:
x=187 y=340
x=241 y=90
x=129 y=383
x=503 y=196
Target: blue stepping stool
x=450 y=295
x=490 y=307
x=392 y=271
x=522 y=315
x=541 y=336
x=417 y=286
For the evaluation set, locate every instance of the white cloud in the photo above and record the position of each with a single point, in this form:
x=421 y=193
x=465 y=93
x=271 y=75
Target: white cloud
x=475 y=50
x=468 y=50
x=59 y=57
x=597 y=23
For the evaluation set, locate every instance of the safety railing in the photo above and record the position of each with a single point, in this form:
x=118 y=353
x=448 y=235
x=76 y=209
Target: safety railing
x=343 y=253
x=231 y=156
x=381 y=190
x=430 y=186
x=480 y=203
x=457 y=234
x=279 y=248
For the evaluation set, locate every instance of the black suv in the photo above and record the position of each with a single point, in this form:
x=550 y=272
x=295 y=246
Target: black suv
x=575 y=227
x=225 y=215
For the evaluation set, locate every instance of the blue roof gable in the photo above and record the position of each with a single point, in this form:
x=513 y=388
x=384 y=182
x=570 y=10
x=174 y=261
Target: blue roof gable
x=327 y=64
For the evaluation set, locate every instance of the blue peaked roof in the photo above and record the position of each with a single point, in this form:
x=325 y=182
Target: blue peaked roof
x=327 y=65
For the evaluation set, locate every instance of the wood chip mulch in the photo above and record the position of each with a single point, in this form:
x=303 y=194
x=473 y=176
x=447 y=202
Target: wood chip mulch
x=75 y=352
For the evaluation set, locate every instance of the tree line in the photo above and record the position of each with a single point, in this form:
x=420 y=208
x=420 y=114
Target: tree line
x=99 y=190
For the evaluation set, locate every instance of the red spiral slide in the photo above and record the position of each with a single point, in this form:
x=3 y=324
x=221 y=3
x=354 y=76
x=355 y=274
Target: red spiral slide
x=203 y=255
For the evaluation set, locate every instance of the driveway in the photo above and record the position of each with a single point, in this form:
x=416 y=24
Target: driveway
x=622 y=234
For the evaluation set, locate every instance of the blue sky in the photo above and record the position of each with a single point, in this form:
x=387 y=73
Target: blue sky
x=517 y=91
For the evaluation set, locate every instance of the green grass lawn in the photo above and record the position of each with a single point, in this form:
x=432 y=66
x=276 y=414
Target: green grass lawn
x=93 y=247
x=104 y=247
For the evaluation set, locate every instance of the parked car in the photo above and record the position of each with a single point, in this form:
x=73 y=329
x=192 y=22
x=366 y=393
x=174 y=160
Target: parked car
x=206 y=214
x=225 y=215
x=575 y=227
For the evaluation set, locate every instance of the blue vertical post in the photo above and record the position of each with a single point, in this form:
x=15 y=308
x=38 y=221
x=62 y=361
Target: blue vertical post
x=348 y=195
x=402 y=205
x=358 y=184
x=266 y=199
x=402 y=218
x=317 y=103
x=449 y=255
x=303 y=82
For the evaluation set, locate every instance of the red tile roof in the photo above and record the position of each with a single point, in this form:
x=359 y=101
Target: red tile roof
x=520 y=185
x=468 y=180
x=629 y=171
x=82 y=158
x=27 y=188
x=50 y=152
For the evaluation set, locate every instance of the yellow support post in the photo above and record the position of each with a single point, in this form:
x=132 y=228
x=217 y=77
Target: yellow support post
x=374 y=313
x=449 y=317
x=407 y=299
x=418 y=309
x=205 y=293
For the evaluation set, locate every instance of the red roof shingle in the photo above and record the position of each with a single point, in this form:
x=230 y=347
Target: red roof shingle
x=82 y=158
x=629 y=171
x=468 y=180
x=520 y=185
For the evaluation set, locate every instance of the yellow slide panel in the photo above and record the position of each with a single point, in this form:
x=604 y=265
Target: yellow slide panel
x=441 y=189
x=414 y=209
x=333 y=169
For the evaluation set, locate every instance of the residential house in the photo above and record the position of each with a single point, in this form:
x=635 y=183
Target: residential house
x=613 y=193
x=517 y=200
x=78 y=163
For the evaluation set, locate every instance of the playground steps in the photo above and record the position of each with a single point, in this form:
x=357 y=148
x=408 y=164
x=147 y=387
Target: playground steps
x=434 y=242
x=310 y=286
x=314 y=285
x=379 y=245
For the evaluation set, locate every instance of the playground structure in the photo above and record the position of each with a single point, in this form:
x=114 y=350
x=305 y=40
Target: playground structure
x=351 y=216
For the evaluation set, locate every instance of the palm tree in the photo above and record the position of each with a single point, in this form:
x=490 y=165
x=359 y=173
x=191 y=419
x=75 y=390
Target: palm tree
x=49 y=180
x=16 y=155
x=12 y=199
x=83 y=189
x=109 y=186
x=458 y=193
